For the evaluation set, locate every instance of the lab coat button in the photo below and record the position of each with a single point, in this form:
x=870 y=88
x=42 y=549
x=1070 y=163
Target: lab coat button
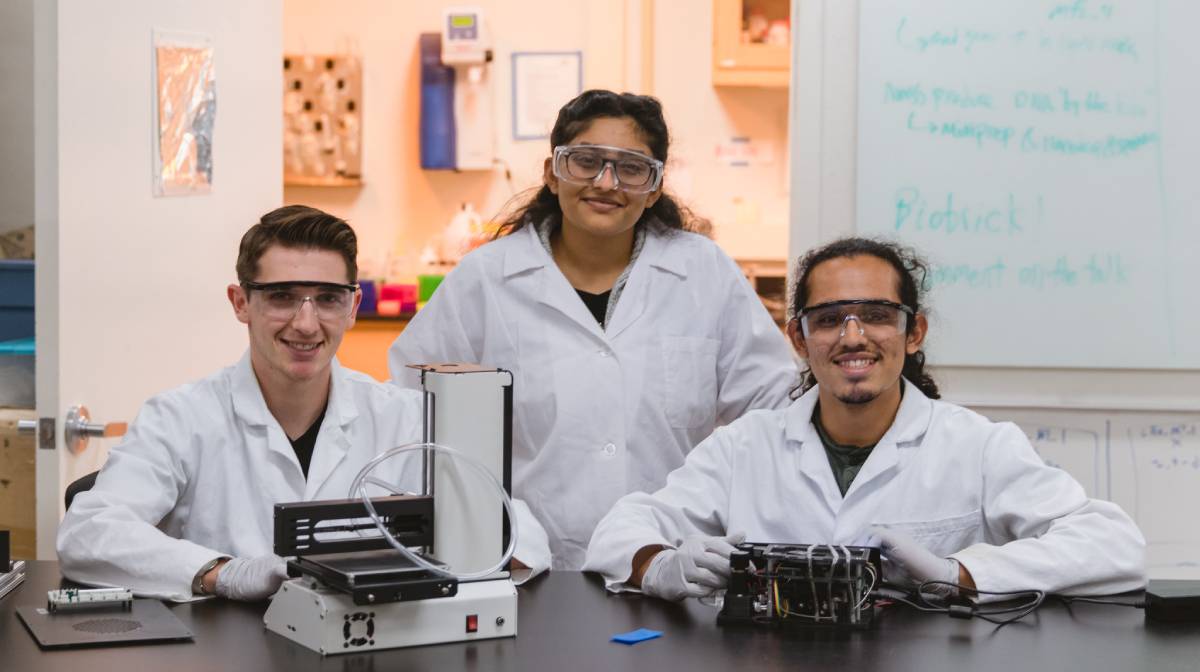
x=602 y=352
x=610 y=449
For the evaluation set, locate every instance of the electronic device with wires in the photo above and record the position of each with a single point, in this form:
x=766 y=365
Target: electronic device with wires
x=803 y=585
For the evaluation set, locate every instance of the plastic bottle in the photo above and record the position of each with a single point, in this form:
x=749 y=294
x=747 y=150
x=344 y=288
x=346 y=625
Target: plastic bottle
x=456 y=239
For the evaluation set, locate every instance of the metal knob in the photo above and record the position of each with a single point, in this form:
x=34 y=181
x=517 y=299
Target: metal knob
x=79 y=428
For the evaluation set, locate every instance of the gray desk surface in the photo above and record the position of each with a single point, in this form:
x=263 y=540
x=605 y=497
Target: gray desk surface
x=566 y=619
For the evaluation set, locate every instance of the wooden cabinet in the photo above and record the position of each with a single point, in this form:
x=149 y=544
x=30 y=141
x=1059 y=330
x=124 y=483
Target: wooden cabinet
x=768 y=277
x=752 y=43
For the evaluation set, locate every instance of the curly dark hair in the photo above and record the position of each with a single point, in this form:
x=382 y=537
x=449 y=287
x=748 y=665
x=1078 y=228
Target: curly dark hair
x=913 y=273
x=574 y=117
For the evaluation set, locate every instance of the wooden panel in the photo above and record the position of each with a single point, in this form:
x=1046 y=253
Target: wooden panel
x=17 y=503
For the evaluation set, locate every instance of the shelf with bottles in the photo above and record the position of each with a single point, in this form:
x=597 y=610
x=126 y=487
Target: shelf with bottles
x=752 y=43
x=322 y=120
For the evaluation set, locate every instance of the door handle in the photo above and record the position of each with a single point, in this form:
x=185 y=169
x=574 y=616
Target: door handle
x=79 y=428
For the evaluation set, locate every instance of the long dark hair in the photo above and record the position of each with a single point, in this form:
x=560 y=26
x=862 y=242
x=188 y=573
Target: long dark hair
x=574 y=117
x=911 y=269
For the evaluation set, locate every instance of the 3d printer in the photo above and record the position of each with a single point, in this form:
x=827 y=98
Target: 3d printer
x=360 y=585
x=802 y=585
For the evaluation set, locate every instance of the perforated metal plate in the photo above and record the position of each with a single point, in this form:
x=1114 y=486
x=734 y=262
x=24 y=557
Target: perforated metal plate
x=148 y=621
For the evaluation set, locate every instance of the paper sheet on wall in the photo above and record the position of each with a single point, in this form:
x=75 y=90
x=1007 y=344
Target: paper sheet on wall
x=542 y=83
x=1148 y=463
x=185 y=108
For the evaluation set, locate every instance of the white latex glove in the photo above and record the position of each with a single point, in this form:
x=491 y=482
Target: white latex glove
x=251 y=579
x=916 y=560
x=698 y=568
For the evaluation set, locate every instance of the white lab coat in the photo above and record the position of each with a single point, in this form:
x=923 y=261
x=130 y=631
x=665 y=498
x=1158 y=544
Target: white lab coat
x=963 y=486
x=599 y=413
x=202 y=466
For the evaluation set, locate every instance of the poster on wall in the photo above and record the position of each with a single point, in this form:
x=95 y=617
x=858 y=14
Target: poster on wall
x=322 y=120
x=185 y=110
x=543 y=82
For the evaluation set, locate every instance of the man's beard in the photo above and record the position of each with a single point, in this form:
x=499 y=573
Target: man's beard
x=857 y=397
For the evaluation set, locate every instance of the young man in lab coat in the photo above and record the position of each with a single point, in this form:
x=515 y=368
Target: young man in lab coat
x=867 y=456
x=183 y=506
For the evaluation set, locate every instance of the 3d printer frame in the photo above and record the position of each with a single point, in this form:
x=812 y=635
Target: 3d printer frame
x=802 y=585
x=328 y=543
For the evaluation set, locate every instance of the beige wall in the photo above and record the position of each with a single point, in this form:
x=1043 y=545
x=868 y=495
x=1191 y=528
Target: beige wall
x=400 y=206
x=16 y=114
x=702 y=116
x=130 y=287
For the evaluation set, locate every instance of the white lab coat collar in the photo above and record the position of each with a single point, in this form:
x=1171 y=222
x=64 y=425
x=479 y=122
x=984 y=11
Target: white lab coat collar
x=251 y=406
x=528 y=254
x=248 y=401
x=911 y=423
x=660 y=253
x=332 y=441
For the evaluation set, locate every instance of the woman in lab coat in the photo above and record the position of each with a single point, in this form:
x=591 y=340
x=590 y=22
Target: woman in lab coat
x=630 y=338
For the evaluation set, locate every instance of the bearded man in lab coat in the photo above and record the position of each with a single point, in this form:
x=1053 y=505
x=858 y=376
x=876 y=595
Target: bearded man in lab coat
x=867 y=456
x=184 y=505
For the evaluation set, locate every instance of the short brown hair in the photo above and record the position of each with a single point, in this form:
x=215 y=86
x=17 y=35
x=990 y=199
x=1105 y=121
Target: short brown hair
x=297 y=226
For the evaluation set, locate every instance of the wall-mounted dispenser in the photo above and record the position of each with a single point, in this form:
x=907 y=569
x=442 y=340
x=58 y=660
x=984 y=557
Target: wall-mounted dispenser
x=457 y=127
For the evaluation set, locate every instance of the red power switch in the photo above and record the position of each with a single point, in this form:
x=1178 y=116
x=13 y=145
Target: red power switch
x=472 y=622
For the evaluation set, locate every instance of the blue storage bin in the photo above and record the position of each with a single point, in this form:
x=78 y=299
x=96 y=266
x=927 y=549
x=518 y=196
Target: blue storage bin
x=369 y=297
x=16 y=299
x=17 y=367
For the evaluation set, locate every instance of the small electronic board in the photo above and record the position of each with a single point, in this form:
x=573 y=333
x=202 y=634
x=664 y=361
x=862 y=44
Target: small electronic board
x=803 y=585
x=75 y=599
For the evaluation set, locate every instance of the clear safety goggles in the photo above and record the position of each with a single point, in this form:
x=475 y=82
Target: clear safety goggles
x=282 y=300
x=877 y=319
x=632 y=172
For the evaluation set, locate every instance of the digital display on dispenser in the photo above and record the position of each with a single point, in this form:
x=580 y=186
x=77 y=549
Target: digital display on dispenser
x=462 y=27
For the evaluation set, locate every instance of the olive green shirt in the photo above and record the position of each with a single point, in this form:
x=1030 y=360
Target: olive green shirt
x=846 y=461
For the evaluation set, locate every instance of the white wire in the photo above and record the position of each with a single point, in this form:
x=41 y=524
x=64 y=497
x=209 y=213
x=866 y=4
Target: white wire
x=867 y=594
x=358 y=488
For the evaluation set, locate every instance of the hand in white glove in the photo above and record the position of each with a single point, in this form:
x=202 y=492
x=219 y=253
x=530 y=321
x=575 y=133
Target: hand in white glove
x=917 y=561
x=251 y=579
x=698 y=568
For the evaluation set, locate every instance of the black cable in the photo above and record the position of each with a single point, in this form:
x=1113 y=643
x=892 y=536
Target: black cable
x=970 y=611
x=914 y=605
x=1138 y=604
x=1022 y=610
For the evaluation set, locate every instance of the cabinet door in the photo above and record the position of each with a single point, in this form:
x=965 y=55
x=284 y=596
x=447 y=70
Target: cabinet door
x=748 y=35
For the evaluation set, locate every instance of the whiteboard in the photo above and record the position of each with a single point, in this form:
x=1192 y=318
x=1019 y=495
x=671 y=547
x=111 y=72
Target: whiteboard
x=1148 y=463
x=1105 y=426
x=1045 y=156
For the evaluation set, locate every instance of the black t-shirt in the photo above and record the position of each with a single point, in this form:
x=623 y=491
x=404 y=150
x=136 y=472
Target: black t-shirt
x=596 y=303
x=306 y=442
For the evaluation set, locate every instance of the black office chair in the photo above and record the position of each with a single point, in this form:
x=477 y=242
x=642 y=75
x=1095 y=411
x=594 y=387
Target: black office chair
x=82 y=485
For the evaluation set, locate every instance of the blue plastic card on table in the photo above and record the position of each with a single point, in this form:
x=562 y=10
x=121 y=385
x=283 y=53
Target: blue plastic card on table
x=639 y=635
